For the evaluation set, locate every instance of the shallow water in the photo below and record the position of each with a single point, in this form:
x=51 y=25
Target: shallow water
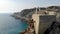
x=9 y=25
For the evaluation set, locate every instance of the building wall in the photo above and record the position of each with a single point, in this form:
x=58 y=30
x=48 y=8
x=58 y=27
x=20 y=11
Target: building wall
x=45 y=22
x=42 y=22
x=58 y=16
x=35 y=17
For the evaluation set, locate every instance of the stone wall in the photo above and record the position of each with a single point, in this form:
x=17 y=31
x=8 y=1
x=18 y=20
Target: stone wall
x=45 y=22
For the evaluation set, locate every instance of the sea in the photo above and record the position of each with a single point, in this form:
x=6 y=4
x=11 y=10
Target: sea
x=10 y=25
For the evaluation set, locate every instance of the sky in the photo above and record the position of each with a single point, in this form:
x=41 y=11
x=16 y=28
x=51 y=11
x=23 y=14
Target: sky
x=11 y=6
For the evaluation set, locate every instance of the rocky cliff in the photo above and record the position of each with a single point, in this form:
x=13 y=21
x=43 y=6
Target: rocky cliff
x=26 y=12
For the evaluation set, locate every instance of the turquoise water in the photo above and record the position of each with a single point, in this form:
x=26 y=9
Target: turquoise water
x=9 y=25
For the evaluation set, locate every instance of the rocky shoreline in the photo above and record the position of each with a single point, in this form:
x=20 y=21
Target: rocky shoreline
x=30 y=29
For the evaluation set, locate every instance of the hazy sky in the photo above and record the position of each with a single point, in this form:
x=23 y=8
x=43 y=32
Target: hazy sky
x=10 y=6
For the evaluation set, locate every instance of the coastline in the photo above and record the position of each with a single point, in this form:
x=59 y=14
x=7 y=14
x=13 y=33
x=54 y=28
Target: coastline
x=30 y=29
x=30 y=22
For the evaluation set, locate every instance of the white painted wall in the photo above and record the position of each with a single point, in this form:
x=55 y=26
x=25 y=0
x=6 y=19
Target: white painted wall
x=35 y=17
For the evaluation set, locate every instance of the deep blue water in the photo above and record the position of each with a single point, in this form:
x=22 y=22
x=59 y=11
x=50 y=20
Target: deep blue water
x=9 y=25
